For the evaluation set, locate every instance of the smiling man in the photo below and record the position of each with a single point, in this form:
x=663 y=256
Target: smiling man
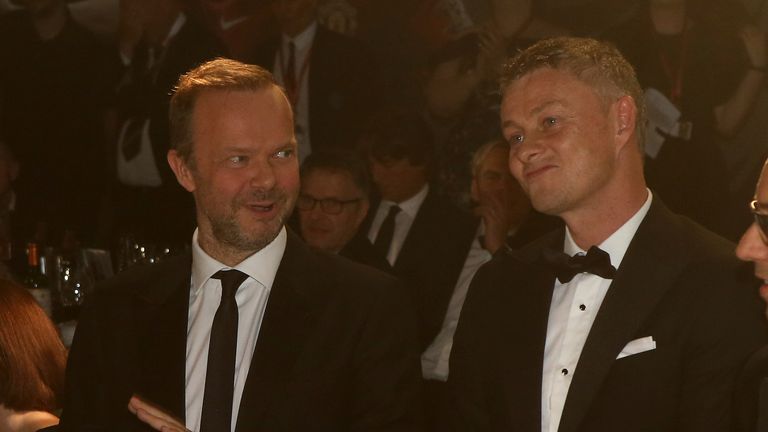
x=251 y=331
x=642 y=323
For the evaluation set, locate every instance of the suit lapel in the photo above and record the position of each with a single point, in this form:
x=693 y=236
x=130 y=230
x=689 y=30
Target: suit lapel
x=523 y=373
x=282 y=333
x=161 y=320
x=631 y=298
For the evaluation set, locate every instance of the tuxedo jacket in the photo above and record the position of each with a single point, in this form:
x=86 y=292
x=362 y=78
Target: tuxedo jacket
x=432 y=257
x=336 y=350
x=342 y=87
x=677 y=283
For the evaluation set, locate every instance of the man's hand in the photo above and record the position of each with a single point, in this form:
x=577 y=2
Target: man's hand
x=497 y=218
x=155 y=416
x=755 y=45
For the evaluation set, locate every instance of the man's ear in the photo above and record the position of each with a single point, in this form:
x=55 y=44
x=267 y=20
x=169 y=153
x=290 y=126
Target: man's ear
x=181 y=170
x=626 y=118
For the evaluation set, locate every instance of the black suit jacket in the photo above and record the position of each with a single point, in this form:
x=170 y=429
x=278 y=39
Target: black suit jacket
x=342 y=87
x=677 y=283
x=432 y=258
x=336 y=350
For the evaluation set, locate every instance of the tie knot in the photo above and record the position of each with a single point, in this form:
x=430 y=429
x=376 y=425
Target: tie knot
x=596 y=261
x=230 y=281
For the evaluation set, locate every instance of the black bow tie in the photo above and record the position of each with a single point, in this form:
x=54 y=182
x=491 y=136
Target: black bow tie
x=596 y=261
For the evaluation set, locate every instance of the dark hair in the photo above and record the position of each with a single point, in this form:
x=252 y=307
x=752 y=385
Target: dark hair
x=466 y=49
x=596 y=63
x=337 y=162
x=219 y=74
x=397 y=135
x=32 y=357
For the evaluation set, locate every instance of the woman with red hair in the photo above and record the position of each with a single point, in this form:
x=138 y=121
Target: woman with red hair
x=32 y=360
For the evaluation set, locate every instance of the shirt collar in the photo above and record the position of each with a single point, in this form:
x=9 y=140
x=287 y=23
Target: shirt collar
x=304 y=39
x=616 y=245
x=261 y=266
x=412 y=205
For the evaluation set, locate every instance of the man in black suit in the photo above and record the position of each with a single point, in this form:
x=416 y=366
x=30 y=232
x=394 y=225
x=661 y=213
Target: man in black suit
x=158 y=42
x=423 y=235
x=306 y=342
x=333 y=203
x=644 y=332
x=328 y=77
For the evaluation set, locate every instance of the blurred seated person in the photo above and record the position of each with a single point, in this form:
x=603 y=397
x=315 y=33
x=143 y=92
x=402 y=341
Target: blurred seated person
x=332 y=204
x=420 y=233
x=32 y=360
x=505 y=220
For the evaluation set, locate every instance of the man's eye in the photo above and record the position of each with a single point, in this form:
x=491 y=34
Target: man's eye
x=283 y=154
x=550 y=121
x=516 y=139
x=237 y=160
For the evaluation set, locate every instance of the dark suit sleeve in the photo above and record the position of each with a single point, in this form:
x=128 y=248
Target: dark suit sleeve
x=387 y=385
x=721 y=338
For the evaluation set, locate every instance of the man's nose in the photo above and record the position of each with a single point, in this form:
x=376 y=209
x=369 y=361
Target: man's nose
x=752 y=247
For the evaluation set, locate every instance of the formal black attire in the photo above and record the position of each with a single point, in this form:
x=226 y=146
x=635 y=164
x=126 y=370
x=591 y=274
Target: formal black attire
x=342 y=87
x=336 y=350
x=164 y=213
x=360 y=250
x=677 y=283
x=431 y=259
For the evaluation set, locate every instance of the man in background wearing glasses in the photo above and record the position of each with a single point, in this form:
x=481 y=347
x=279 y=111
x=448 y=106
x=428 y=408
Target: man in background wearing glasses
x=332 y=204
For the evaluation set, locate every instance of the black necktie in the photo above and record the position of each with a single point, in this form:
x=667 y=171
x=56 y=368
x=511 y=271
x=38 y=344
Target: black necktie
x=220 y=375
x=386 y=232
x=596 y=261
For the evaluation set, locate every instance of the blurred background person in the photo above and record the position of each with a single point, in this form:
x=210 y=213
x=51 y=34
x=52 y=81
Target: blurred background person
x=332 y=205
x=53 y=84
x=328 y=77
x=32 y=360
x=158 y=40
x=420 y=233
x=704 y=61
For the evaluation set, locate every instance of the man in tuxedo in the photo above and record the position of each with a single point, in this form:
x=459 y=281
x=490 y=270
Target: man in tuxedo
x=646 y=330
x=421 y=233
x=329 y=78
x=333 y=203
x=251 y=331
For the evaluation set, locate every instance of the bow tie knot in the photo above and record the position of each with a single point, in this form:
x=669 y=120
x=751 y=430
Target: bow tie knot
x=596 y=261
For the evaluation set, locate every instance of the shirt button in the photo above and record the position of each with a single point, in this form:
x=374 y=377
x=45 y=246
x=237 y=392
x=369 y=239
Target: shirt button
x=582 y=307
x=564 y=371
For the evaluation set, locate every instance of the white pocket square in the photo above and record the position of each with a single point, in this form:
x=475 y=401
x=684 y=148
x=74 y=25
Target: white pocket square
x=637 y=346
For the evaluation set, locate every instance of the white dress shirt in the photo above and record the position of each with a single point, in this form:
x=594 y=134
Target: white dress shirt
x=204 y=299
x=302 y=50
x=434 y=361
x=403 y=221
x=571 y=315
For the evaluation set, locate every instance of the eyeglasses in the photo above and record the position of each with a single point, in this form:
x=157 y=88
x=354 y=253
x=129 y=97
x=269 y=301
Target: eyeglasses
x=761 y=219
x=328 y=205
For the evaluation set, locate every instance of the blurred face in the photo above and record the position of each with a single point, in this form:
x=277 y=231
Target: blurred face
x=321 y=227
x=294 y=15
x=562 y=137
x=245 y=176
x=753 y=245
x=448 y=89
x=397 y=180
x=494 y=182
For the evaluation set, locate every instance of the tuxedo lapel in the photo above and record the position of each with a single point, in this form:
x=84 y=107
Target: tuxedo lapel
x=534 y=293
x=161 y=320
x=644 y=276
x=282 y=334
